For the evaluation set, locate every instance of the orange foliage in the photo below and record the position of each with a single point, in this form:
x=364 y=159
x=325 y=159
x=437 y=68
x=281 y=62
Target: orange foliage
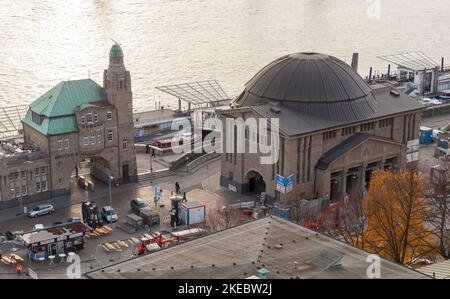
x=395 y=207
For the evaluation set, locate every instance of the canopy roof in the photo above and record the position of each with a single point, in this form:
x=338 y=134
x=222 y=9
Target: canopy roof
x=197 y=93
x=10 y=120
x=415 y=61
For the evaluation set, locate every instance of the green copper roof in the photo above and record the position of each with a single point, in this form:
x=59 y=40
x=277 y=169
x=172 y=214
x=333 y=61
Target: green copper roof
x=116 y=51
x=52 y=126
x=66 y=96
x=57 y=106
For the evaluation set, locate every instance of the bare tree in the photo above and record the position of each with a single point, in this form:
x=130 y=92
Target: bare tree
x=352 y=221
x=438 y=211
x=222 y=218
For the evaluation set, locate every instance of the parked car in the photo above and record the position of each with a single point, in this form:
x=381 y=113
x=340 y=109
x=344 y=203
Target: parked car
x=11 y=235
x=3 y=239
x=38 y=227
x=109 y=214
x=57 y=223
x=73 y=219
x=41 y=210
x=137 y=205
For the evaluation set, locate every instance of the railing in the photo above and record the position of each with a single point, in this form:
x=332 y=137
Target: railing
x=201 y=160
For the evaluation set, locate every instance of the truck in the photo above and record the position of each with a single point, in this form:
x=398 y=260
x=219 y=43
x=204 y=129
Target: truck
x=91 y=214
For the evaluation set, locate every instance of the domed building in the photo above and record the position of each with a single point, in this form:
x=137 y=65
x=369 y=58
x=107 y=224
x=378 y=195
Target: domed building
x=334 y=129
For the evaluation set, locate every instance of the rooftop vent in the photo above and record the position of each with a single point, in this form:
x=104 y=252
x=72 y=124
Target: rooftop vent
x=275 y=109
x=328 y=259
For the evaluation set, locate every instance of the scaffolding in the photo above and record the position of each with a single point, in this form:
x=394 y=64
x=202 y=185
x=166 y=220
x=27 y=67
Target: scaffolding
x=11 y=121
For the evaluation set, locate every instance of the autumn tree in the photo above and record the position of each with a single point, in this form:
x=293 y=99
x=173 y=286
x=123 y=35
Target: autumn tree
x=395 y=207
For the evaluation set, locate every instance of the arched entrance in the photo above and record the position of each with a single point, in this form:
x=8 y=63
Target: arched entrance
x=101 y=169
x=255 y=182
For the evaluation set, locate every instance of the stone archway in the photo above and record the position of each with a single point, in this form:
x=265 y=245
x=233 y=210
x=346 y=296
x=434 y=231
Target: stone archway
x=255 y=183
x=101 y=169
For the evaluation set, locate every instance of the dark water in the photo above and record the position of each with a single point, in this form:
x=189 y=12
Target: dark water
x=169 y=41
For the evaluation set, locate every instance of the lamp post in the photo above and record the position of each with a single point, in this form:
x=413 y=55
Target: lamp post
x=110 y=178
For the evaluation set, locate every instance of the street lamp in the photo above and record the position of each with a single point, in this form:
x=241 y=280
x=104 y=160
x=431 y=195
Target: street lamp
x=110 y=195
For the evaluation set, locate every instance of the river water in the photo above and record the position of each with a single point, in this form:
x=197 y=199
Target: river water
x=173 y=41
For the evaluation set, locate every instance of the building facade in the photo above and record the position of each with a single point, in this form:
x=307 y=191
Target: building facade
x=72 y=122
x=335 y=129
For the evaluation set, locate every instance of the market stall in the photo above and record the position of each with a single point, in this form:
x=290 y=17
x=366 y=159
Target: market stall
x=55 y=240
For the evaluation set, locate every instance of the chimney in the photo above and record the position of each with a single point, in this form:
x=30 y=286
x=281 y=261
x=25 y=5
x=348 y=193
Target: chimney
x=370 y=75
x=442 y=64
x=355 y=62
x=389 y=72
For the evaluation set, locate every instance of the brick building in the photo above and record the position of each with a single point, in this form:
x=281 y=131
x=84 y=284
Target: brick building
x=335 y=129
x=72 y=122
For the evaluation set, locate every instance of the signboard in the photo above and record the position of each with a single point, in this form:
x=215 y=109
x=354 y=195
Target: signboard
x=47 y=242
x=232 y=188
x=412 y=152
x=289 y=183
x=280 y=183
x=76 y=235
x=157 y=193
x=284 y=185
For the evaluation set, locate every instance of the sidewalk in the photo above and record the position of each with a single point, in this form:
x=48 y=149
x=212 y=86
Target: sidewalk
x=76 y=197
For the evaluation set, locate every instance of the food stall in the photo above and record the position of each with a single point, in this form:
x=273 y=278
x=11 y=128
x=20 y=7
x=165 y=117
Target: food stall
x=51 y=241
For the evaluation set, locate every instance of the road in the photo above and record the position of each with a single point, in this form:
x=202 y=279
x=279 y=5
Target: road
x=120 y=200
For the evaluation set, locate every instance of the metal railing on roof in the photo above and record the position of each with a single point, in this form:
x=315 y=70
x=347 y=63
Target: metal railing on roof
x=11 y=120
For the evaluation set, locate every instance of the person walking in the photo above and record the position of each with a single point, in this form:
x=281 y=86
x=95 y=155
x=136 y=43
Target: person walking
x=19 y=269
x=177 y=188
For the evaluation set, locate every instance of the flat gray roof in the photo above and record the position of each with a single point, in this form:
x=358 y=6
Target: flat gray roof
x=238 y=252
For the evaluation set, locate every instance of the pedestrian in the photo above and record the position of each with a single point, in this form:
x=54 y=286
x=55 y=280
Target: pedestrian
x=177 y=187
x=153 y=153
x=184 y=197
x=19 y=268
x=141 y=249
